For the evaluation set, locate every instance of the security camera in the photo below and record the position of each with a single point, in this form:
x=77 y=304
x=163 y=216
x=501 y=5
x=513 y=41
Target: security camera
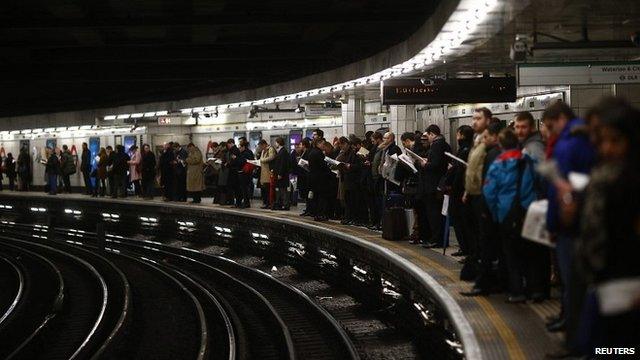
x=426 y=82
x=518 y=51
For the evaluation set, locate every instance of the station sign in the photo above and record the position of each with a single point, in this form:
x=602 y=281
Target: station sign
x=581 y=73
x=411 y=91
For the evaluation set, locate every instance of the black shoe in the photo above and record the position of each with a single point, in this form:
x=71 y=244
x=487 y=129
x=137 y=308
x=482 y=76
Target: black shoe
x=459 y=253
x=556 y=326
x=264 y=207
x=320 y=218
x=475 y=292
x=516 y=299
x=415 y=241
x=305 y=214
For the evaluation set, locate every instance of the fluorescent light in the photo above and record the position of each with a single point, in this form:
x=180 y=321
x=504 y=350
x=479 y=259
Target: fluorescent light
x=159 y=113
x=110 y=117
x=149 y=114
x=137 y=115
x=123 y=116
x=185 y=111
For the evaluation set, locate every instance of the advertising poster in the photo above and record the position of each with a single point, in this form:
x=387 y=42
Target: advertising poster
x=52 y=143
x=94 y=148
x=129 y=141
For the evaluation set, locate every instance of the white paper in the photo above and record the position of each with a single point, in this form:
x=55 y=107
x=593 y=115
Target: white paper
x=618 y=296
x=445 y=206
x=408 y=161
x=331 y=161
x=303 y=164
x=388 y=169
x=363 y=151
x=535 y=223
x=455 y=158
x=254 y=162
x=578 y=181
x=414 y=155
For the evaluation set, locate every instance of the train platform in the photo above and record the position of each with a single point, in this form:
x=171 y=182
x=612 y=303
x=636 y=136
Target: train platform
x=503 y=331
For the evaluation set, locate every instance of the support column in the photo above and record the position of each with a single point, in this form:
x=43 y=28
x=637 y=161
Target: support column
x=403 y=119
x=353 y=117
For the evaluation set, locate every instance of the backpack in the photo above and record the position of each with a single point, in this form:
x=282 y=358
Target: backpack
x=512 y=223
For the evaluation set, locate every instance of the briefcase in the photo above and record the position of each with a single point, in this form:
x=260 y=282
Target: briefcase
x=394 y=224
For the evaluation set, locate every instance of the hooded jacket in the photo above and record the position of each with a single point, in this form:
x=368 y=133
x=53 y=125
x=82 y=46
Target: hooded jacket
x=500 y=185
x=573 y=152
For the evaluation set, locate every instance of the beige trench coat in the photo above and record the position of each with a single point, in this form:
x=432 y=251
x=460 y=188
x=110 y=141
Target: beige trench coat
x=266 y=157
x=195 y=179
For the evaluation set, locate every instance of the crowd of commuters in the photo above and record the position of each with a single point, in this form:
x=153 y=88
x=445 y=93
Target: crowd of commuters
x=496 y=173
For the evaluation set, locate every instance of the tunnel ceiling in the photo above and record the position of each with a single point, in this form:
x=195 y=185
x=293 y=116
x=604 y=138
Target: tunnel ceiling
x=72 y=55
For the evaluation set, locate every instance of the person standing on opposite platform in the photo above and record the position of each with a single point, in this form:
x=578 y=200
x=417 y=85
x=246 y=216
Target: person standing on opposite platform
x=24 y=169
x=377 y=182
x=281 y=169
x=134 y=169
x=101 y=180
x=167 y=172
x=195 y=179
x=120 y=167
x=85 y=168
x=243 y=197
x=111 y=159
x=10 y=170
x=319 y=180
x=52 y=169
x=267 y=154
x=181 y=172
x=148 y=172
x=68 y=166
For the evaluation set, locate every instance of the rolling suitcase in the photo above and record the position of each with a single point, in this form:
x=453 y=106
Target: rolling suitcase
x=394 y=224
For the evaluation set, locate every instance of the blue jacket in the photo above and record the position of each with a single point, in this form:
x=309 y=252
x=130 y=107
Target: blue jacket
x=573 y=152
x=501 y=181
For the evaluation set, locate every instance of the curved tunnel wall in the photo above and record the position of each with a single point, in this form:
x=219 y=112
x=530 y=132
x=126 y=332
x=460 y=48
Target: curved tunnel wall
x=285 y=240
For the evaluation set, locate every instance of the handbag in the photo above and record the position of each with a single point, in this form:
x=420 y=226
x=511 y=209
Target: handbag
x=247 y=168
x=411 y=187
x=512 y=223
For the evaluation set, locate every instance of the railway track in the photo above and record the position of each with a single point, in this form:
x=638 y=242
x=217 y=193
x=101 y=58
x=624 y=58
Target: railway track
x=184 y=305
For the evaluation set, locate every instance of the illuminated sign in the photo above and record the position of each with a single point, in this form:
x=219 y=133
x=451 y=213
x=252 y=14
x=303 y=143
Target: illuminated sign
x=449 y=91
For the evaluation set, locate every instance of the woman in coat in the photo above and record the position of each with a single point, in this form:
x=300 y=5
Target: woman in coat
x=147 y=171
x=53 y=170
x=134 y=169
x=195 y=179
x=102 y=172
x=267 y=154
x=10 y=170
x=24 y=169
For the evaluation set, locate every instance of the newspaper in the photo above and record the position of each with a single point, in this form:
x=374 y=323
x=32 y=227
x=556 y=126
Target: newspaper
x=331 y=161
x=388 y=169
x=408 y=161
x=535 y=223
x=303 y=164
x=455 y=158
x=363 y=151
x=254 y=162
x=414 y=155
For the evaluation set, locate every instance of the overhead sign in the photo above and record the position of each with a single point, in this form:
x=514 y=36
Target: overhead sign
x=579 y=73
x=449 y=91
x=164 y=120
x=317 y=110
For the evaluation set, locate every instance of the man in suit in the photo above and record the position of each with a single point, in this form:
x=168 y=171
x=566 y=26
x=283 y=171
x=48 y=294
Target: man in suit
x=433 y=169
x=281 y=169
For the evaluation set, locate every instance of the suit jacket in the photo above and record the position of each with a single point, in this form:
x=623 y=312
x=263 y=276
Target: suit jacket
x=436 y=165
